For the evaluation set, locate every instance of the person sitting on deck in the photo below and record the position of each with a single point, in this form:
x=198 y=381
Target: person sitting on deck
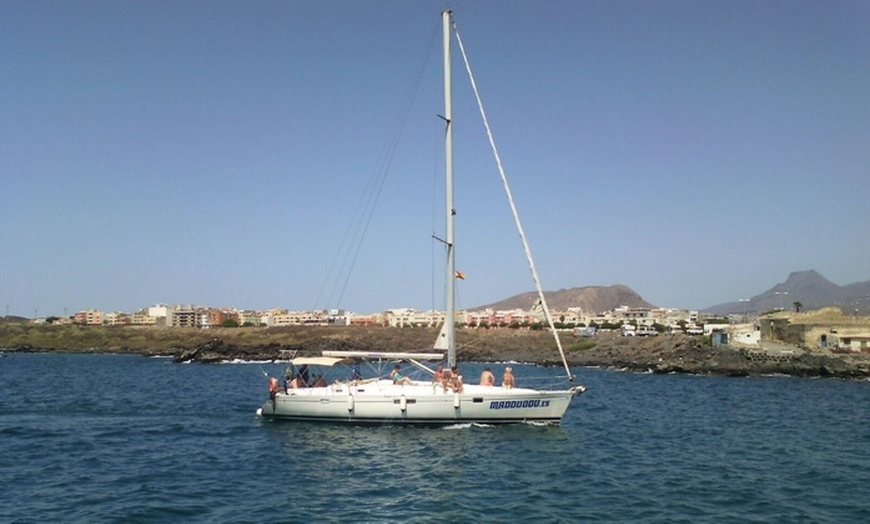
x=508 y=380
x=303 y=375
x=297 y=382
x=397 y=377
x=454 y=380
x=439 y=375
x=487 y=378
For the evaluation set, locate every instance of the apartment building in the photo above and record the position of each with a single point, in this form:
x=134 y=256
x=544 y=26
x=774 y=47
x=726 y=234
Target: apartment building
x=410 y=317
x=90 y=317
x=117 y=318
x=182 y=316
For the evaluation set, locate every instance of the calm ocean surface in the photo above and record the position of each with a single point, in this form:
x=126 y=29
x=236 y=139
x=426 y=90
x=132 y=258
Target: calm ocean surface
x=93 y=438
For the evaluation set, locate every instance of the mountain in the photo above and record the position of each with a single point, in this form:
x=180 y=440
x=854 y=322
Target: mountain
x=590 y=298
x=809 y=288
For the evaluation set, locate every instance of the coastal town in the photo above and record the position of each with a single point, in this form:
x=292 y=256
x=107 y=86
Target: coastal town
x=656 y=320
x=825 y=330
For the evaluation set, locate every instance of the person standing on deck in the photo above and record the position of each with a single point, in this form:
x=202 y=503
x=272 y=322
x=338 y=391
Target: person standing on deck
x=273 y=388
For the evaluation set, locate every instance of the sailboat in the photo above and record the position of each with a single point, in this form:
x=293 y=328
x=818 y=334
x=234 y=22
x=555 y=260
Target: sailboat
x=398 y=399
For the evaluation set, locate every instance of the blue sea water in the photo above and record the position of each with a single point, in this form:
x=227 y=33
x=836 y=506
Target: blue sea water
x=122 y=438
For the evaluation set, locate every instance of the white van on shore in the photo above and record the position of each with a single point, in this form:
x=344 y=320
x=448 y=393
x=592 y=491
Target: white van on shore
x=646 y=331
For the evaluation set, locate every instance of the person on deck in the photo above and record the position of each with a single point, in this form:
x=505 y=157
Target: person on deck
x=447 y=383
x=397 y=377
x=508 y=380
x=439 y=375
x=487 y=378
x=454 y=382
x=303 y=375
x=273 y=388
x=296 y=382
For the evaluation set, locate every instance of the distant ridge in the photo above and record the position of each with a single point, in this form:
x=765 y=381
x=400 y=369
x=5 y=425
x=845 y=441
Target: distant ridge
x=13 y=319
x=809 y=288
x=590 y=298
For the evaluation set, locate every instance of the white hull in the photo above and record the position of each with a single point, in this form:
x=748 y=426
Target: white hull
x=383 y=402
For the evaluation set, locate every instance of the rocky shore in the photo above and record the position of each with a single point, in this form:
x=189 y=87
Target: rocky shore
x=660 y=354
x=681 y=354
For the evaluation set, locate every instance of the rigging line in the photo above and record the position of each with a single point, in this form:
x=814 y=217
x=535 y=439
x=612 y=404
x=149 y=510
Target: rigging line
x=365 y=209
x=434 y=219
x=360 y=220
x=350 y=233
x=401 y=120
x=513 y=206
x=341 y=248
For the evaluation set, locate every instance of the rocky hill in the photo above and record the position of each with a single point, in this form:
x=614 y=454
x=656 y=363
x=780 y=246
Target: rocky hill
x=590 y=298
x=810 y=288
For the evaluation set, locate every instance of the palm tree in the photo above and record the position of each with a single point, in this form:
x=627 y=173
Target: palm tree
x=797 y=306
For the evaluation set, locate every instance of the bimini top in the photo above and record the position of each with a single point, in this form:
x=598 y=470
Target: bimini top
x=319 y=361
x=384 y=355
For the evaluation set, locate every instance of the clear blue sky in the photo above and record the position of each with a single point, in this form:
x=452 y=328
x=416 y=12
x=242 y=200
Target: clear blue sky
x=213 y=152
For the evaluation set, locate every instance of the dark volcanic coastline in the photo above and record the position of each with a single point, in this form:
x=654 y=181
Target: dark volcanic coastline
x=661 y=354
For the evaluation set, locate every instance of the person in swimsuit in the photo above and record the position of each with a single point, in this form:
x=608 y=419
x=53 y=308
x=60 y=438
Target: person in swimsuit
x=455 y=379
x=508 y=380
x=439 y=375
x=487 y=378
x=397 y=377
x=296 y=382
x=273 y=388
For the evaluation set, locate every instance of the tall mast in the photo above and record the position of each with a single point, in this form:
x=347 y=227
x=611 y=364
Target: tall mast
x=448 y=168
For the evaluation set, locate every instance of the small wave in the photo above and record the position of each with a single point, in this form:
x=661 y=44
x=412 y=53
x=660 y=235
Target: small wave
x=459 y=426
x=540 y=423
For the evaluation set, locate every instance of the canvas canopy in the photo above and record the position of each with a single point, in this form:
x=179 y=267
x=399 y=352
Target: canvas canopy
x=384 y=355
x=319 y=361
